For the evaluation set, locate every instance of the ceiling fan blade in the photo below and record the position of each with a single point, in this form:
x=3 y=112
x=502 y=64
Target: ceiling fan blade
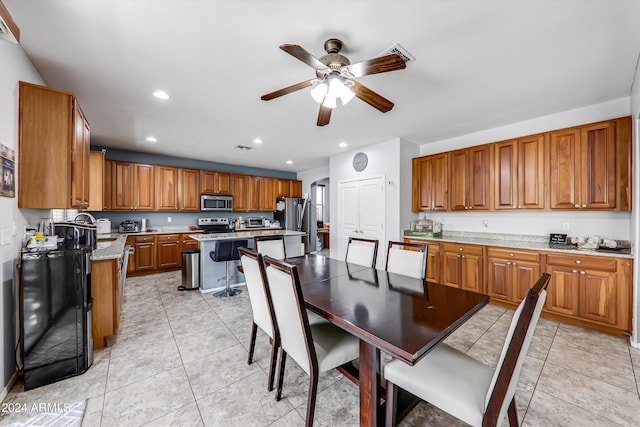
x=372 y=98
x=286 y=90
x=303 y=55
x=382 y=64
x=324 y=115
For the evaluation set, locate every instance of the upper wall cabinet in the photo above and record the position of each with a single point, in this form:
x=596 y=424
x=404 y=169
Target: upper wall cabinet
x=132 y=186
x=215 y=182
x=589 y=166
x=470 y=178
x=430 y=190
x=189 y=189
x=96 y=180
x=166 y=188
x=519 y=173
x=53 y=150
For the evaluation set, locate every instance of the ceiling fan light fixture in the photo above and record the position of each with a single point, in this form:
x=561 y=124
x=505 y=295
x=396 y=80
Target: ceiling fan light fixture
x=319 y=91
x=330 y=101
x=346 y=94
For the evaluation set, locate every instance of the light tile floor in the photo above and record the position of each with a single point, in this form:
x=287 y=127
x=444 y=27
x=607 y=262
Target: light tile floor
x=180 y=360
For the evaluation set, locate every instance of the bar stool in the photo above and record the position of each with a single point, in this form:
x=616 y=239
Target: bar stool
x=226 y=251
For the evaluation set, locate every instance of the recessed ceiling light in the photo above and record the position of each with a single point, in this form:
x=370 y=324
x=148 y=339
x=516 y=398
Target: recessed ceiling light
x=160 y=94
x=289 y=162
x=342 y=144
x=151 y=139
x=257 y=141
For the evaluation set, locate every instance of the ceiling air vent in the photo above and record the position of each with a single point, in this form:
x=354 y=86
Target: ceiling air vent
x=404 y=53
x=242 y=148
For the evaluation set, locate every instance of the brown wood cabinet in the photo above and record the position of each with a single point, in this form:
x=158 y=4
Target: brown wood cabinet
x=519 y=173
x=106 y=187
x=589 y=166
x=433 y=259
x=188 y=243
x=132 y=186
x=288 y=188
x=510 y=273
x=240 y=185
x=188 y=190
x=470 y=178
x=105 y=289
x=215 y=182
x=53 y=153
x=295 y=188
x=96 y=180
x=144 y=256
x=430 y=183
x=166 y=188
x=168 y=251
x=462 y=266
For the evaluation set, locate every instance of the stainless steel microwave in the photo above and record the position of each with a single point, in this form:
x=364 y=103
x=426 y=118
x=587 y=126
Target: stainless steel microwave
x=216 y=203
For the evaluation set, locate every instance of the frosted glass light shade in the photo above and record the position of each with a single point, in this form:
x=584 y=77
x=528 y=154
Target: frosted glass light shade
x=318 y=93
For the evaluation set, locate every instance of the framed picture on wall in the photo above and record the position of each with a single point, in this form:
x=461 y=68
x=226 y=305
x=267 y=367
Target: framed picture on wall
x=7 y=172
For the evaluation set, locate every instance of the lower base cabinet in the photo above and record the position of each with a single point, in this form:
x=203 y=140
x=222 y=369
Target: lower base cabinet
x=158 y=252
x=105 y=289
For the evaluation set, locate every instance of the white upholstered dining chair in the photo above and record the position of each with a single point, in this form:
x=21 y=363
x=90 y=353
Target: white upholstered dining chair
x=408 y=259
x=272 y=246
x=254 y=275
x=464 y=387
x=316 y=348
x=362 y=251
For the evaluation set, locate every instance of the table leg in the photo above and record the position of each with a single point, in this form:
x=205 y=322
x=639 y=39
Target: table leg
x=369 y=385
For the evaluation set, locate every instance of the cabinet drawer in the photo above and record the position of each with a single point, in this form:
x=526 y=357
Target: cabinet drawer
x=603 y=264
x=462 y=249
x=168 y=237
x=140 y=239
x=513 y=254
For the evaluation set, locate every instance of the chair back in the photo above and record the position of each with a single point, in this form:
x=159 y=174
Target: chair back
x=517 y=341
x=272 y=246
x=227 y=250
x=362 y=251
x=255 y=277
x=408 y=259
x=290 y=313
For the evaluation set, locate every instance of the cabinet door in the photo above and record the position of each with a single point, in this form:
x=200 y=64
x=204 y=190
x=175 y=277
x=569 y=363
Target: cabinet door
x=268 y=201
x=564 y=168
x=166 y=188
x=433 y=263
x=143 y=187
x=421 y=170
x=562 y=292
x=450 y=273
x=240 y=185
x=96 y=180
x=168 y=251
x=506 y=175
x=295 y=188
x=223 y=183
x=122 y=186
x=597 y=151
x=500 y=279
x=255 y=193
x=145 y=255
x=131 y=266
x=471 y=272
x=188 y=190
x=106 y=200
x=458 y=180
x=79 y=160
x=208 y=182
x=479 y=181
x=598 y=298
x=525 y=274
x=531 y=177
x=439 y=179
x=284 y=188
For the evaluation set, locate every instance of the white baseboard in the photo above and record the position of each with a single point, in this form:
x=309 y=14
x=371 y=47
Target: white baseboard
x=10 y=384
x=634 y=344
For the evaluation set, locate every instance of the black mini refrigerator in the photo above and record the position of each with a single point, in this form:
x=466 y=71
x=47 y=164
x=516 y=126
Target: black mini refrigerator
x=55 y=314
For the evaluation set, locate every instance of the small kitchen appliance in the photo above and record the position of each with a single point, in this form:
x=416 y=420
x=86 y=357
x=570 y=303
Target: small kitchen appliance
x=129 y=226
x=103 y=226
x=216 y=203
x=214 y=225
x=254 y=222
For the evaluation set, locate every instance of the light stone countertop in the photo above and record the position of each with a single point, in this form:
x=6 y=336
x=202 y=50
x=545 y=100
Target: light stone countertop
x=244 y=235
x=109 y=249
x=516 y=241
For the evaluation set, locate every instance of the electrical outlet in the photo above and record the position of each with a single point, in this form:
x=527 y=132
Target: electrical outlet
x=168 y=219
x=566 y=226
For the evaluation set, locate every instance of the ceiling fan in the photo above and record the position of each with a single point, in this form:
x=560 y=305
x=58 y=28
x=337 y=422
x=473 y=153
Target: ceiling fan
x=335 y=76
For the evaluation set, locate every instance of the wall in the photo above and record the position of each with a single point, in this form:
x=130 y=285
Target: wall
x=14 y=66
x=606 y=224
x=635 y=213
x=391 y=159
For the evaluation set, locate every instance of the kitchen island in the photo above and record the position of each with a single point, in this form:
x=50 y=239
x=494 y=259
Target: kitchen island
x=211 y=271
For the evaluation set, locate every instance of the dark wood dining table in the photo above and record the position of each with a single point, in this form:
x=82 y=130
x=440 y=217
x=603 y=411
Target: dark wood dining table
x=402 y=316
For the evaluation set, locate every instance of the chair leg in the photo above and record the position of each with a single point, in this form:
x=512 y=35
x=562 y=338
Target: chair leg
x=275 y=344
x=283 y=360
x=252 y=342
x=391 y=401
x=311 y=398
x=513 y=413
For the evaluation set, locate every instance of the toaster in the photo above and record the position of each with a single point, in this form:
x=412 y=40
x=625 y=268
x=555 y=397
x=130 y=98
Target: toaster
x=129 y=227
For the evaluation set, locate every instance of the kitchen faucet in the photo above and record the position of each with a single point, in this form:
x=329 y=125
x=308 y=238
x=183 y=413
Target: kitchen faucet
x=90 y=218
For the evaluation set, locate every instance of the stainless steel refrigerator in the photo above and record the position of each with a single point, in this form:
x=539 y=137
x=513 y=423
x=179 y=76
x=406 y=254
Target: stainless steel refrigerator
x=293 y=214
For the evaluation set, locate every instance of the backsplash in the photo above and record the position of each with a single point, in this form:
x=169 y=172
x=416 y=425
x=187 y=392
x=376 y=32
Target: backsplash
x=160 y=219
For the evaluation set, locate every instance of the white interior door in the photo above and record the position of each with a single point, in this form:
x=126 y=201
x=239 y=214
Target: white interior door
x=361 y=212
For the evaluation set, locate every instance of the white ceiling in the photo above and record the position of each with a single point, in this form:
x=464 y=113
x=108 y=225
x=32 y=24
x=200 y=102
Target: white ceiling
x=479 y=64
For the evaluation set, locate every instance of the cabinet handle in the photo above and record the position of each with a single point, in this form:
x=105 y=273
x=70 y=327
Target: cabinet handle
x=461 y=249
x=514 y=206
x=575 y=271
x=508 y=262
x=510 y=254
x=577 y=206
x=582 y=272
x=462 y=256
x=584 y=206
x=515 y=263
x=459 y=255
x=519 y=207
x=578 y=261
